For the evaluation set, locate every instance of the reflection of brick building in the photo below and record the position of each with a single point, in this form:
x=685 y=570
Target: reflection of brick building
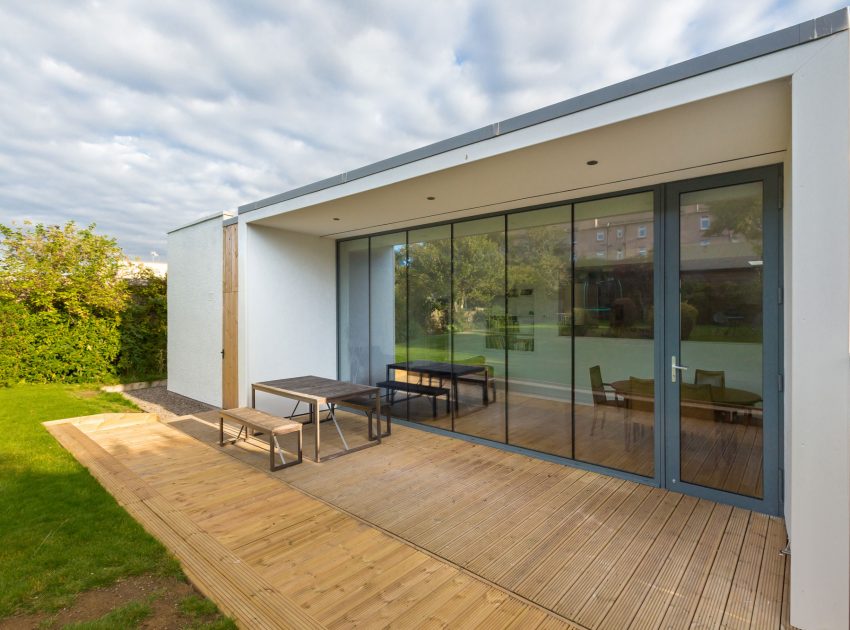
x=615 y=238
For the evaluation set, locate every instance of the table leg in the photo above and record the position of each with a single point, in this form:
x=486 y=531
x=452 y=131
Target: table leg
x=378 y=412
x=455 y=396
x=253 y=397
x=314 y=416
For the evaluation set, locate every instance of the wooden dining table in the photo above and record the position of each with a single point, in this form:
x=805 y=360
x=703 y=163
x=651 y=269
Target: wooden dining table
x=728 y=399
x=317 y=391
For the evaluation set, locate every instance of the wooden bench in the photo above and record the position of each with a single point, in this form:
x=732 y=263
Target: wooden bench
x=367 y=405
x=417 y=388
x=250 y=418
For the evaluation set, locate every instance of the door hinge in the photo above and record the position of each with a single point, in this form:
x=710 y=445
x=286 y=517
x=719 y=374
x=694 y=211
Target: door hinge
x=780 y=381
x=222 y=353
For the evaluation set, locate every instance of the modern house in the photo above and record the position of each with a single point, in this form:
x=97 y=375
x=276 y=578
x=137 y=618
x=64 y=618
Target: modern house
x=652 y=278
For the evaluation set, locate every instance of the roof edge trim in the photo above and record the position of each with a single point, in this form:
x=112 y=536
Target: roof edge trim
x=789 y=37
x=221 y=216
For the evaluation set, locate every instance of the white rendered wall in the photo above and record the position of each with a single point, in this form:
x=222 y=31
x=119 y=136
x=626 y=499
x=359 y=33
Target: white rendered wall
x=820 y=343
x=194 y=310
x=287 y=309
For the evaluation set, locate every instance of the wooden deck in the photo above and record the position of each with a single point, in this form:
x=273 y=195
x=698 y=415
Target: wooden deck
x=436 y=532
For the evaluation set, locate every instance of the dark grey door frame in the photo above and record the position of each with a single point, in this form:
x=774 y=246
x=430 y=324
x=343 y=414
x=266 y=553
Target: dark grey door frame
x=667 y=395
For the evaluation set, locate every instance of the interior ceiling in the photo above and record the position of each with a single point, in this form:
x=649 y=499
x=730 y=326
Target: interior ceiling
x=723 y=133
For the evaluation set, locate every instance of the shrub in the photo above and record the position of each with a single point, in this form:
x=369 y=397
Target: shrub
x=144 y=328
x=67 y=314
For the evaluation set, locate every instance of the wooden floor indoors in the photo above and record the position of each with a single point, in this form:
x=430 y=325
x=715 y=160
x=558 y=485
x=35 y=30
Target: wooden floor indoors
x=599 y=551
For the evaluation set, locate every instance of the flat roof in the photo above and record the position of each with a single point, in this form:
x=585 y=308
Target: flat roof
x=802 y=33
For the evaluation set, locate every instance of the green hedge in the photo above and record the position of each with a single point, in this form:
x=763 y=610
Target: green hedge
x=69 y=314
x=144 y=329
x=55 y=347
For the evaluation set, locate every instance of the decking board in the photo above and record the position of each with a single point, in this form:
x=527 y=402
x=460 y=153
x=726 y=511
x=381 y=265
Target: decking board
x=286 y=559
x=436 y=532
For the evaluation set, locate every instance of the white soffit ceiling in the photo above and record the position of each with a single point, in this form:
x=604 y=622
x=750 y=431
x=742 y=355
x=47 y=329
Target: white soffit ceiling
x=735 y=130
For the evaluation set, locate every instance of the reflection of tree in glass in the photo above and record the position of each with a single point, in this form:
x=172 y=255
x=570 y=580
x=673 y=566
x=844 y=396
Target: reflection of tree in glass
x=429 y=274
x=539 y=258
x=479 y=273
x=738 y=216
x=478 y=276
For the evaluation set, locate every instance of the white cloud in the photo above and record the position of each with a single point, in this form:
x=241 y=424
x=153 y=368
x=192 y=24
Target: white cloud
x=143 y=116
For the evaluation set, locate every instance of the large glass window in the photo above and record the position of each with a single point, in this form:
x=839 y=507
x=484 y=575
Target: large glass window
x=533 y=328
x=353 y=304
x=539 y=323
x=482 y=329
x=613 y=315
x=388 y=308
x=429 y=264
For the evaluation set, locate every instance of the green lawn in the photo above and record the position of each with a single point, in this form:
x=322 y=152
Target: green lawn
x=60 y=532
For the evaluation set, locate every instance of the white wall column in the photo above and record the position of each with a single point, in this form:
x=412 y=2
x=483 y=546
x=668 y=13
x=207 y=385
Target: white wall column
x=195 y=255
x=287 y=297
x=820 y=344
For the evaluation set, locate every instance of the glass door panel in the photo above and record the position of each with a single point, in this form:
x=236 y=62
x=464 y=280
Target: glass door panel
x=353 y=310
x=612 y=319
x=482 y=330
x=721 y=321
x=387 y=309
x=539 y=343
x=429 y=264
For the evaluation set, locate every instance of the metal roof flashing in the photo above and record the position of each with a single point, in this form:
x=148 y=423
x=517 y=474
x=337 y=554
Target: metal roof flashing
x=227 y=216
x=789 y=37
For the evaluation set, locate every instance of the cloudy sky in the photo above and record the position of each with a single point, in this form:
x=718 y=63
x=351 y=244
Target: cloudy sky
x=142 y=116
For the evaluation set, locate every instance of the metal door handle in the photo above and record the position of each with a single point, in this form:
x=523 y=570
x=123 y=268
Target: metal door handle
x=675 y=368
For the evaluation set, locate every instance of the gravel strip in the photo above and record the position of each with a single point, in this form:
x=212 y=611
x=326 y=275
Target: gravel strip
x=166 y=404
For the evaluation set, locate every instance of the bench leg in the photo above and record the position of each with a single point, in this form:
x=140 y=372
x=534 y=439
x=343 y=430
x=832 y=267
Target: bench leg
x=273 y=443
x=221 y=430
x=300 y=448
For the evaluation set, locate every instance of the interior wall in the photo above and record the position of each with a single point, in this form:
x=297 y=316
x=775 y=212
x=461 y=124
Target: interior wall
x=195 y=311
x=288 y=303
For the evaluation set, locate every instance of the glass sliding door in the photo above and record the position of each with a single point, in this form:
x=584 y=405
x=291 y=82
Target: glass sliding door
x=388 y=308
x=429 y=264
x=539 y=330
x=613 y=323
x=353 y=313
x=726 y=250
x=482 y=330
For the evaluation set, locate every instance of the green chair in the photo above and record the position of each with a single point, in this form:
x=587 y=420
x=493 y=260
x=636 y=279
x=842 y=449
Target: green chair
x=710 y=377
